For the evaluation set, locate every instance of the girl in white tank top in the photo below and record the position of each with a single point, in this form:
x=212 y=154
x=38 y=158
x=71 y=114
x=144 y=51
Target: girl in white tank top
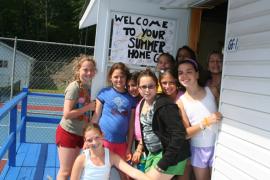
x=197 y=111
x=96 y=161
x=200 y=117
x=94 y=172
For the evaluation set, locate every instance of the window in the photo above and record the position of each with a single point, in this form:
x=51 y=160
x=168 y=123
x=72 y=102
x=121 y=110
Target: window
x=3 y=64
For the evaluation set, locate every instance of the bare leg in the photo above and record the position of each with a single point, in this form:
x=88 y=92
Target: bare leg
x=122 y=175
x=187 y=172
x=67 y=157
x=155 y=175
x=202 y=173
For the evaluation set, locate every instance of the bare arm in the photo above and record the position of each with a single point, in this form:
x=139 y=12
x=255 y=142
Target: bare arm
x=70 y=113
x=216 y=93
x=97 y=112
x=130 y=131
x=77 y=167
x=119 y=163
x=192 y=130
x=138 y=152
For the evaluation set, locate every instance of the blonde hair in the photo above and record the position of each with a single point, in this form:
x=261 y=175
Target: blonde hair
x=91 y=126
x=78 y=61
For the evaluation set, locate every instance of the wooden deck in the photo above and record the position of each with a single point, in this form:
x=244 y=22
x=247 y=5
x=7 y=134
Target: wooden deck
x=33 y=162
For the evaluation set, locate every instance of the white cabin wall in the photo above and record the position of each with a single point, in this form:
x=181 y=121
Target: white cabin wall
x=104 y=12
x=243 y=146
x=182 y=16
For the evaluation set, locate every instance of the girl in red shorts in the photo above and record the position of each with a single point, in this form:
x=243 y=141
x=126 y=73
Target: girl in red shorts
x=77 y=107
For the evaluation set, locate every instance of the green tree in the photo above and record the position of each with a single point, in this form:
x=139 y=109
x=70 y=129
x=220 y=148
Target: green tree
x=50 y=20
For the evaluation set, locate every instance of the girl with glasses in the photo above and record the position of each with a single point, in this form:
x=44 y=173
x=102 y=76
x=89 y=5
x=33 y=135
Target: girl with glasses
x=163 y=133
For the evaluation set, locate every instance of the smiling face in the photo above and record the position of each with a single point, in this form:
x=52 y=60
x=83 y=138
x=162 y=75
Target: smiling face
x=93 y=139
x=163 y=63
x=147 y=88
x=168 y=84
x=118 y=79
x=132 y=88
x=215 y=63
x=86 y=72
x=187 y=75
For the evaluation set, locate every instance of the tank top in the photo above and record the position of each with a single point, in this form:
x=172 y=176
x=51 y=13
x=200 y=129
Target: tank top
x=196 y=112
x=93 y=172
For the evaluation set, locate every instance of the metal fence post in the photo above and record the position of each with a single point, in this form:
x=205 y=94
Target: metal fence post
x=12 y=130
x=13 y=68
x=24 y=116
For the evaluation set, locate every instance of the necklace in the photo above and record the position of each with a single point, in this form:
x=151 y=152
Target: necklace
x=147 y=107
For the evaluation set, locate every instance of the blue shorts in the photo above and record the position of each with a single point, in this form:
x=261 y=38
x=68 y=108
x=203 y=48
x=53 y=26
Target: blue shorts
x=202 y=157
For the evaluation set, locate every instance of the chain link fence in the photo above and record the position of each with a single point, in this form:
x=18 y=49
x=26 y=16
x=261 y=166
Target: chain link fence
x=42 y=67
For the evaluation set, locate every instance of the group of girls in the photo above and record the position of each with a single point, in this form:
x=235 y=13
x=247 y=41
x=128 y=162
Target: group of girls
x=175 y=128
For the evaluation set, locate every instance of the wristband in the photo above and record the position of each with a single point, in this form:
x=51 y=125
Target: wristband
x=158 y=169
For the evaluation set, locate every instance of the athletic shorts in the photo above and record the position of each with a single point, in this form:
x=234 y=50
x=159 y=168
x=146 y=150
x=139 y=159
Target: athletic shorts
x=67 y=139
x=153 y=159
x=117 y=148
x=202 y=157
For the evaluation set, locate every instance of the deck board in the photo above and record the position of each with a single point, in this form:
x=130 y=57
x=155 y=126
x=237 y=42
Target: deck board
x=32 y=155
x=4 y=172
x=26 y=173
x=21 y=154
x=51 y=156
x=49 y=173
x=33 y=161
x=13 y=173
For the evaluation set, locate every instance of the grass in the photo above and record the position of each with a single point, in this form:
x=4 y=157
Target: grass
x=56 y=91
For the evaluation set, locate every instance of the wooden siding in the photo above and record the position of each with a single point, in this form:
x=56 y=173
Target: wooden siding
x=243 y=146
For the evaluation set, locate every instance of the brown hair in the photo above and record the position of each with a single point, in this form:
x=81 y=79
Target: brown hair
x=78 y=61
x=194 y=64
x=91 y=126
x=169 y=58
x=133 y=76
x=214 y=52
x=149 y=73
x=120 y=66
x=190 y=51
x=171 y=72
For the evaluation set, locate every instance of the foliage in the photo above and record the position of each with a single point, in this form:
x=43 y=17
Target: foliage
x=49 y=20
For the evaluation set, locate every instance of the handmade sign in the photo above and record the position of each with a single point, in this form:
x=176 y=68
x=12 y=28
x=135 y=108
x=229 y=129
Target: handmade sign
x=140 y=39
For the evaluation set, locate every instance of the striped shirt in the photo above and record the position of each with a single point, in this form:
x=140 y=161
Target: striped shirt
x=151 y=140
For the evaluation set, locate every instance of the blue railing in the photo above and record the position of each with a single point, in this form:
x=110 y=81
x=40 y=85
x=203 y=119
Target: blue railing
x=11 y=107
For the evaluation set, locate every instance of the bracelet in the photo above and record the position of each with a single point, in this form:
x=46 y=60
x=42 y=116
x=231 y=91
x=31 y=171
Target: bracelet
x=158 y=169
x=202 y=127
x=205 y=120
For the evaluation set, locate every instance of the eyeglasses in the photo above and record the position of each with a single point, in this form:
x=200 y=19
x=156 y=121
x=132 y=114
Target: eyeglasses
x=149 y=86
